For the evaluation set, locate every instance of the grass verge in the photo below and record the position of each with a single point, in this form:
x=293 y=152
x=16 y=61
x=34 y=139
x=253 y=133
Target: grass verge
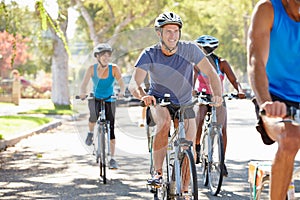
x=15 y=124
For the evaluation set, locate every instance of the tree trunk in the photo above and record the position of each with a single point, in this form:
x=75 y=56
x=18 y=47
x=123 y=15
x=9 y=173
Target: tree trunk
x=60 y=84
x=60 y=87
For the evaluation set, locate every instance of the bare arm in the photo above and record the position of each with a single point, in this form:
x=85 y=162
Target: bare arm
x=118 y=76
x=258 y=50
x=135 y=85
x=227 y=70
x=214 y=80
x=136 y=89
x=195 y=78
x=87 y=76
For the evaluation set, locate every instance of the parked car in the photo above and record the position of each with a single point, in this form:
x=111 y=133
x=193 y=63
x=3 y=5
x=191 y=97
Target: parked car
x=247 y=90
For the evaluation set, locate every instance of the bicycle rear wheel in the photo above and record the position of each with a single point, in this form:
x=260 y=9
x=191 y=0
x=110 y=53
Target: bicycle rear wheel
x=101 y=147
x=216 y=165
x=203 y=159
x=188 y=177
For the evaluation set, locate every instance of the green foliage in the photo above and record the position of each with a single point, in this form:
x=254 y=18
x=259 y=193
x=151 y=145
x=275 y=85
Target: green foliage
x=45 y=19
x=226 y=20
x=21 y=21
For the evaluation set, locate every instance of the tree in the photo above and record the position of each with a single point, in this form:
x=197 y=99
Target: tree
x=60 y=88
x=13 y=52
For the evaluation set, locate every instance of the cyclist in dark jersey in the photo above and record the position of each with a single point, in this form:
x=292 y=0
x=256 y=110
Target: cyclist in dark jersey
x=209 y=44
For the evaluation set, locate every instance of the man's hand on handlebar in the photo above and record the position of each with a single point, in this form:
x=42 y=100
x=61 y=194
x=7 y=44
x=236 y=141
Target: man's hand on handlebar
x=149 y=100
x=274 y=109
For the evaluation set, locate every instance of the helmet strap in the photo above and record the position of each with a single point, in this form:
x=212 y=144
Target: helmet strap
x=101 y=65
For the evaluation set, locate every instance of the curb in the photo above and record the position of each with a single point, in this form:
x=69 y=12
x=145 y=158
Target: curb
x=13 y=141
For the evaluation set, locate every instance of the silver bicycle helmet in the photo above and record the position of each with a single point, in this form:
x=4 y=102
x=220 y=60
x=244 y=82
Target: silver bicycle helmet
x=167 y=18
x=208 y=43
x=101 y=48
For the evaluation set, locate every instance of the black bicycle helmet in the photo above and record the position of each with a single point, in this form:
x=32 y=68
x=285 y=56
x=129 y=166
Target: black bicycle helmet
x=208 y=43
x=101 y=48
x=167 y=18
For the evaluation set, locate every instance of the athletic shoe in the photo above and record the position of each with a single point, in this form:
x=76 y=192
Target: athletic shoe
x=89 y=139
x=113 y=164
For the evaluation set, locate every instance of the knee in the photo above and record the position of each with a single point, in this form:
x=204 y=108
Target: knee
x=289 y=144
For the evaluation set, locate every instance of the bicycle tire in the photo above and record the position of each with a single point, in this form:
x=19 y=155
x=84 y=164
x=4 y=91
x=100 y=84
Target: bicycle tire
x=102 y=163
x=216 y=166
x=203 y=160
x=192 y=190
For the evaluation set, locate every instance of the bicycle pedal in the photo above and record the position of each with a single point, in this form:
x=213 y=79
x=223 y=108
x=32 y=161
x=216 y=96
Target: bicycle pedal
x=152 y=189
x=154 y=185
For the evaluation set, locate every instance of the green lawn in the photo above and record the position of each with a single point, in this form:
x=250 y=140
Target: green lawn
x=15 y=124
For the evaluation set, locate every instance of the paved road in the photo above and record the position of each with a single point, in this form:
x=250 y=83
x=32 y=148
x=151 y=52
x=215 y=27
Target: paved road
x=57 y=164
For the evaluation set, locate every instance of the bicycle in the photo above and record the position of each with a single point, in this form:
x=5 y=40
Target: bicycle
x=261 y=178
x=211 y=146
x=102 y=147
x=179 y=162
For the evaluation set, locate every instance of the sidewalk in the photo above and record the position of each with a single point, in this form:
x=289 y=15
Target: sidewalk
x=26 y=105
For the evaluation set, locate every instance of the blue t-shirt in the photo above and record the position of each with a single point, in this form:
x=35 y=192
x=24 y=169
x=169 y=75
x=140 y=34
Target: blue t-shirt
x=103 y=87
x=283 y=65
x=171 y=74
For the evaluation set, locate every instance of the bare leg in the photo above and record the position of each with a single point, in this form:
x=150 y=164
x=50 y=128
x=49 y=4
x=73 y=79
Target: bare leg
x=91 y=126
x=200 y=115
x=222 y=120
x=190 y=130
x=162 y=119
x=112 y=147
x=288 y=139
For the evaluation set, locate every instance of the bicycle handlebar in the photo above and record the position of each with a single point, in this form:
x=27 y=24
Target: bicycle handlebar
x=292 y=112
x=91 y=96
x=166 y=101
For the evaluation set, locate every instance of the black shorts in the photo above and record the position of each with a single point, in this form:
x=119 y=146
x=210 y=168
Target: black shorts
x=189 y=113
x=259 y=125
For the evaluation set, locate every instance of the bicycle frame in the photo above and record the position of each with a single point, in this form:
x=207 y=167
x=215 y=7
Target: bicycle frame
x=178 y=149
x=101 y=150
x=103 y=122
x=211 y=140
x=103 y=140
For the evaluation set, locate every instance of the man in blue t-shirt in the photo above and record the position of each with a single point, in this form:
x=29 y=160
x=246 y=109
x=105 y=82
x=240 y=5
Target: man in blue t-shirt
x=274 y=69
x=170 y=65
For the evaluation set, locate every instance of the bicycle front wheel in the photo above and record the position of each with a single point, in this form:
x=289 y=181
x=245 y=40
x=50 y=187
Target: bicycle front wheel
x=101 y=147
x=216 y=164
x=188 y=177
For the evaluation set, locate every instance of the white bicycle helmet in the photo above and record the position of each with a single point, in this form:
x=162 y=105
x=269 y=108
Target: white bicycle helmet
x=167 y=18
x=102 y=47
x=208 y=43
